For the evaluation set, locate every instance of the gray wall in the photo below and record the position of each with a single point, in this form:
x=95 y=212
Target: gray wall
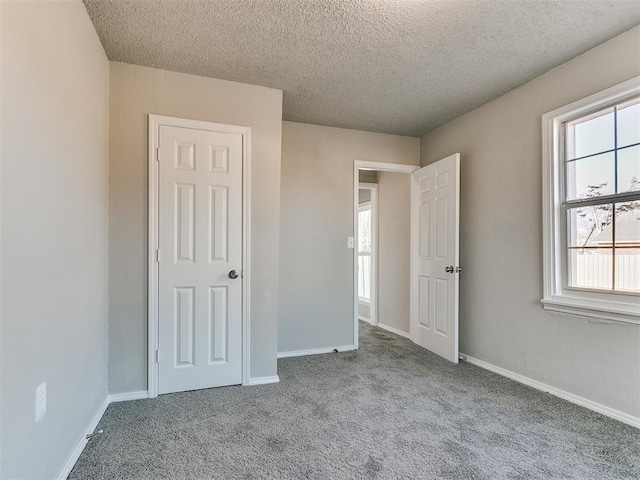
x=394 y=216
x=55 y=99
x=501 y=318
x=368 y=176
x=316 y=267
x=135 y=93
x=364 y=195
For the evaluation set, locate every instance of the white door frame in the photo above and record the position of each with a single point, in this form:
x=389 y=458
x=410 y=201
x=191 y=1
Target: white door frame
x=379 y=167
x=155 y=121
x=373 y=203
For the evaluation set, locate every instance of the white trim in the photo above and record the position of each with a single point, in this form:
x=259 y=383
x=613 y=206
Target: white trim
x=379 y=167
x=556 y=297
x=246 y=256
x=126 y=396
x=614 y=312
x=155 y=121
x=316 y=351
x=152 y=280
x=263 y=380
x=364 y=319
x=77 y=451
x=384 y=167
x=394 y=330
x=583 y=402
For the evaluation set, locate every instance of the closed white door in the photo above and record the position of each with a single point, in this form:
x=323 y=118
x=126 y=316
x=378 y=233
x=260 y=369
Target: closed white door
x=435 y=219
x=200 y=259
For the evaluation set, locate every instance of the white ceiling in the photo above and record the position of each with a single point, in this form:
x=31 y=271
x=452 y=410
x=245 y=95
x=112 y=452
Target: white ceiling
x=394 y=66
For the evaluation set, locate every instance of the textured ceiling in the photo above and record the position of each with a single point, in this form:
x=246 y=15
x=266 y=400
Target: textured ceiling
x=394 y=66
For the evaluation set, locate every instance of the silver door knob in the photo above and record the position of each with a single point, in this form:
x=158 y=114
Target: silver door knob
x=233 y=274
x=449 y=269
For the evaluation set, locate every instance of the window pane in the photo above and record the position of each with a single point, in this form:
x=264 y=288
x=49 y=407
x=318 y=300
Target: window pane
x=629 y=124
x=627 y=232
x=591 y=268
x=586 y=225
x=591 y=135
x=627 y=242
x=629 y=169
x=628 y=270
x=364 y=277
x=591 y=177
x=364 y=231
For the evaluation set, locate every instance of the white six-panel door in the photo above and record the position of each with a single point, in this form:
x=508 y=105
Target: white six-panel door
x=200 y=243
x=435 y=218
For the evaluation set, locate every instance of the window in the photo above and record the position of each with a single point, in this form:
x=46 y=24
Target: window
x=364 y=252
x=591 y=198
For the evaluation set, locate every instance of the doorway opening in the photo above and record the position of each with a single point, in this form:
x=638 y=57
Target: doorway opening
x=426 y=290
x=381 y=219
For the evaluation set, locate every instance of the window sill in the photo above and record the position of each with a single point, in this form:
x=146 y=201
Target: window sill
x=613 y=311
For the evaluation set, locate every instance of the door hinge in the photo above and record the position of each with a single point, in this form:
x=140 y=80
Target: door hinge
x=158 y=154
x=157 y=255
x=157 y=356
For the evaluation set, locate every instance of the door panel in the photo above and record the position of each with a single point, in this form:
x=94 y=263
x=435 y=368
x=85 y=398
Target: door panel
x=435 y=200
x=200 y=242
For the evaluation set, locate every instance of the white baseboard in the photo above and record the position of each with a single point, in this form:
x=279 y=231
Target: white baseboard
x=264 y=380
x=365 y=319
x=316 y=351
x=393 y=330
x=583 y=402
x=77 y=451
x=126 y=396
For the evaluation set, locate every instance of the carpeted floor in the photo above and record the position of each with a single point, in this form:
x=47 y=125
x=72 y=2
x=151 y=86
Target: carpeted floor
x=390 y=410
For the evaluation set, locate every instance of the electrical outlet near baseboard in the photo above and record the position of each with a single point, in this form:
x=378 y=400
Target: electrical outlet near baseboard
x=41 y=401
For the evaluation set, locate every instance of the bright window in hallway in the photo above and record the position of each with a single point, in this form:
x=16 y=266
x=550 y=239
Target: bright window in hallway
x=364 y=252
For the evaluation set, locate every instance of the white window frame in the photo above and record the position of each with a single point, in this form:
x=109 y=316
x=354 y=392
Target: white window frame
x=621 y=307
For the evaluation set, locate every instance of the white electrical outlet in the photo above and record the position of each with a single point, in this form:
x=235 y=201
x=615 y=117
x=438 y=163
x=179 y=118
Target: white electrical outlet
x=41 y=401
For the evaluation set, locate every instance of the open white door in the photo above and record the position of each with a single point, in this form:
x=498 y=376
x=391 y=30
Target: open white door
x=435 y=231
